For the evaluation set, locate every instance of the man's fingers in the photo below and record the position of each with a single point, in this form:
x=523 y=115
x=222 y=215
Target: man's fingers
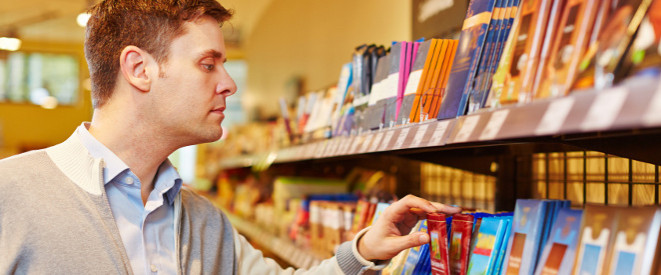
x=409 y=222
x=418 y=212
x=405 y=204
x=393 y=228
x=419 y=207
x=408 y=241
x=446 y=208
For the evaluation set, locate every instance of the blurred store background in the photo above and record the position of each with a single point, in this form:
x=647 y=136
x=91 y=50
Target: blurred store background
x=44 y=82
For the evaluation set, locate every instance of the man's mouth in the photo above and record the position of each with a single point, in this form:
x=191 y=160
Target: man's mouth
x=218 y=110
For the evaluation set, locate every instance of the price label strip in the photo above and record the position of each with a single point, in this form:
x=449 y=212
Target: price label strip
x=300 y=150
x=555 y=116
x=439 y=132
x=419 y=135
x=494 y=125
x=467 y=128
x=604 y=110
x=338 y=145
x=295 y=256
x=285 y=155
x=653 y=115
x=386 y=140
x=354 y=146
x=402 y=138
x=347 y=146
x=281 y=155
x=308 y=151
x=332 y=147
x=311 y=150
x=323 y=149
x=308 y=262
x=315 y=149
x=344 y=147
x=323 y=152
x=367 y=143
x=376 y=142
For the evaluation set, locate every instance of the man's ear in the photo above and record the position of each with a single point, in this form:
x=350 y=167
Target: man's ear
x=134 y=66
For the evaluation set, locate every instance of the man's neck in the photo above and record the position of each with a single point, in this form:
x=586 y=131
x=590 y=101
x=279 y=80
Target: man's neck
x=136 y=145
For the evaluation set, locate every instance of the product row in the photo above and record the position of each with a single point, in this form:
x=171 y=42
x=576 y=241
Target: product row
x=509 y=51
x=540 y=237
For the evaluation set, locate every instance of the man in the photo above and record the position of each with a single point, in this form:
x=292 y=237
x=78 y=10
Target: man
x=107 y=200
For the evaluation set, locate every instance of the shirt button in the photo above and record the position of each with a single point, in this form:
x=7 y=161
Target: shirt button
x=153 y=268
x=129 y=180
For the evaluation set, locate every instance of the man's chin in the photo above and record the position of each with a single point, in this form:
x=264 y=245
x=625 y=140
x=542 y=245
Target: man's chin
x=213 y=136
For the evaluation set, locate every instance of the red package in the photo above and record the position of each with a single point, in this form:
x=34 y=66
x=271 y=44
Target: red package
x=438 y=234
x=460 y=241
x=361 y=216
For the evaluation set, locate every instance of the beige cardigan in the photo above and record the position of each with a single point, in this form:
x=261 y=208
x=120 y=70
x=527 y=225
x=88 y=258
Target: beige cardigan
x=55 y=218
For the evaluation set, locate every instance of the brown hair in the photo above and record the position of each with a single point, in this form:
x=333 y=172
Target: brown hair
x=148 y=24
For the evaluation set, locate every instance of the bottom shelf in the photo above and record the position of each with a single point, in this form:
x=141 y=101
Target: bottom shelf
x=285 y=249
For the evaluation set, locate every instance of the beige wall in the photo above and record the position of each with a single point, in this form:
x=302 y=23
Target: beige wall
x=312 y=39
x=307 y=38
x=27 y=126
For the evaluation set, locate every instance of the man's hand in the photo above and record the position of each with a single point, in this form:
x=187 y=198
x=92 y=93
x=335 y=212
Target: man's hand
x=389 y=234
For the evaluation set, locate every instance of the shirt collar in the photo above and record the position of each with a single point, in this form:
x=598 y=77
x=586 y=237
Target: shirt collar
x=167 y=179
x=113 y=165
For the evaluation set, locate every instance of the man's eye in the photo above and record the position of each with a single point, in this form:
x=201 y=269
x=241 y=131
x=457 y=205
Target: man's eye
x=208 y=67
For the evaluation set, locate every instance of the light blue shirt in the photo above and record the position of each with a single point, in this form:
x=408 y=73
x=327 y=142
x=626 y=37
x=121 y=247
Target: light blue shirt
x=147 y=230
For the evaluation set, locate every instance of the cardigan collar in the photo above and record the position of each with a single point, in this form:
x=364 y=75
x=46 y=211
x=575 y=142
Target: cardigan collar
x=73 y=159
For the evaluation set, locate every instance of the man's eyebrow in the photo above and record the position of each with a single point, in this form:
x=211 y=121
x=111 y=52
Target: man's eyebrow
x=215 y=54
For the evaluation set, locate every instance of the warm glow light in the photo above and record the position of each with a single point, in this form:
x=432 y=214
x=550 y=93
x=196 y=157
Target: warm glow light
x=9 y=44
x=49 y=103
x=82 y=19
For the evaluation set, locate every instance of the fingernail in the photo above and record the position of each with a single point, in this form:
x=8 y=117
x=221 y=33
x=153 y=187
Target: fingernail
x=423 y=238
x=452 y=207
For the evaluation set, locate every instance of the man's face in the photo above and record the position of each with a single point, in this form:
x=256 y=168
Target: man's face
x=189 y=95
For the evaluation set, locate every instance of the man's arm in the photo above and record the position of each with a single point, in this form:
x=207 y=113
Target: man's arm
x=388 y=236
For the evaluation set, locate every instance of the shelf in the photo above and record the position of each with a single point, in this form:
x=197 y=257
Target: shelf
x=284 y=249
x=626 y=110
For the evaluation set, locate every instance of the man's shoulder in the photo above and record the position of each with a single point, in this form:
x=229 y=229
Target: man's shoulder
x=192 y=199
x=24 y=173
x=28 y=161
x=205 y=224
x=197 y=205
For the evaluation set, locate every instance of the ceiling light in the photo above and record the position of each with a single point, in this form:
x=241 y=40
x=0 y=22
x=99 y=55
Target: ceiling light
x=9 y=43
x=49 y=102
x=84 y=16
x=82 y=19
